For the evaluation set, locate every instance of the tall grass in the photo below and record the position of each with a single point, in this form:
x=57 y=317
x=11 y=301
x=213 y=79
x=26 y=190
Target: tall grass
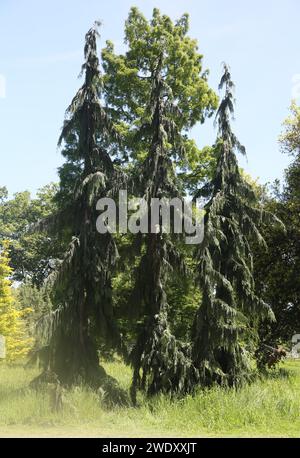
x=268 y=407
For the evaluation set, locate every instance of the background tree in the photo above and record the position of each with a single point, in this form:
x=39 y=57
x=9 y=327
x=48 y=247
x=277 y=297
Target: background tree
x=277 y=270
x=33 y=255
x=230 y=308
x=12 y=317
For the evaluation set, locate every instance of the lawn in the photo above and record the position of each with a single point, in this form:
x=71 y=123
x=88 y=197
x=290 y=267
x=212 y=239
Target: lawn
x=269 y=407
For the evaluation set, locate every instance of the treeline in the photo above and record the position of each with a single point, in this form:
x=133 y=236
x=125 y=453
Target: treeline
x=182 y=316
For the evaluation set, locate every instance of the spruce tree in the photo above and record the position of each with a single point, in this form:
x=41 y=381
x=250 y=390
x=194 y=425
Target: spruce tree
x=157 y=353
x=230 y=308
x=83 y=319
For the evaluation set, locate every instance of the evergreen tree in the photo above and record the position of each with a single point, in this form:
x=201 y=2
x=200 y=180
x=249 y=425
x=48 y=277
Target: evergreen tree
x=161 y=358
x=230 y=309
x=82 y=283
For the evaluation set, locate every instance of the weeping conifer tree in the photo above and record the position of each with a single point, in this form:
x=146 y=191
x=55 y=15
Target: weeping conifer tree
x=164 y=362
x=82 y=282
x=230 y=308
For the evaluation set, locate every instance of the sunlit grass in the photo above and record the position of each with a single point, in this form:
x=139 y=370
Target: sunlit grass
x=267 y=407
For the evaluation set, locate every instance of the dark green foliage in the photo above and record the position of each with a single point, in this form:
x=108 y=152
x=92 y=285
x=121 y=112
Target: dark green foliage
x=184 y=296
x=163 y=362
x=38 y=299
x=277 y=270
x=33 y=255
x=82 y=289
x=230 y=306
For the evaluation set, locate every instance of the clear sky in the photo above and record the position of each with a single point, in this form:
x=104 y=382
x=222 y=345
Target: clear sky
x=41 y=45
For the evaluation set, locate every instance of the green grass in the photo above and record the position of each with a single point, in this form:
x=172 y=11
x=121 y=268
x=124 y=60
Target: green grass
x=268 y=407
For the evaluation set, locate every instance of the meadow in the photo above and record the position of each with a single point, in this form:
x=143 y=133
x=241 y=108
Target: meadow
x=269 y=407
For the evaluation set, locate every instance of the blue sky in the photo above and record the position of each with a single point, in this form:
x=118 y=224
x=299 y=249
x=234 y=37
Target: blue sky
x=41 y=46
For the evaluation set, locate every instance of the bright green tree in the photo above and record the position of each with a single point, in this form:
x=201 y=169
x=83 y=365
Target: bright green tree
x=12 y=317
x=156 y=92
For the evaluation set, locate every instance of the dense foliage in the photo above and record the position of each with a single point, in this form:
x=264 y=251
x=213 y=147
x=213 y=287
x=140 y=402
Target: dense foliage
x=33 y=255
x=277 y=270
x=180 y=316
x=230 y=307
